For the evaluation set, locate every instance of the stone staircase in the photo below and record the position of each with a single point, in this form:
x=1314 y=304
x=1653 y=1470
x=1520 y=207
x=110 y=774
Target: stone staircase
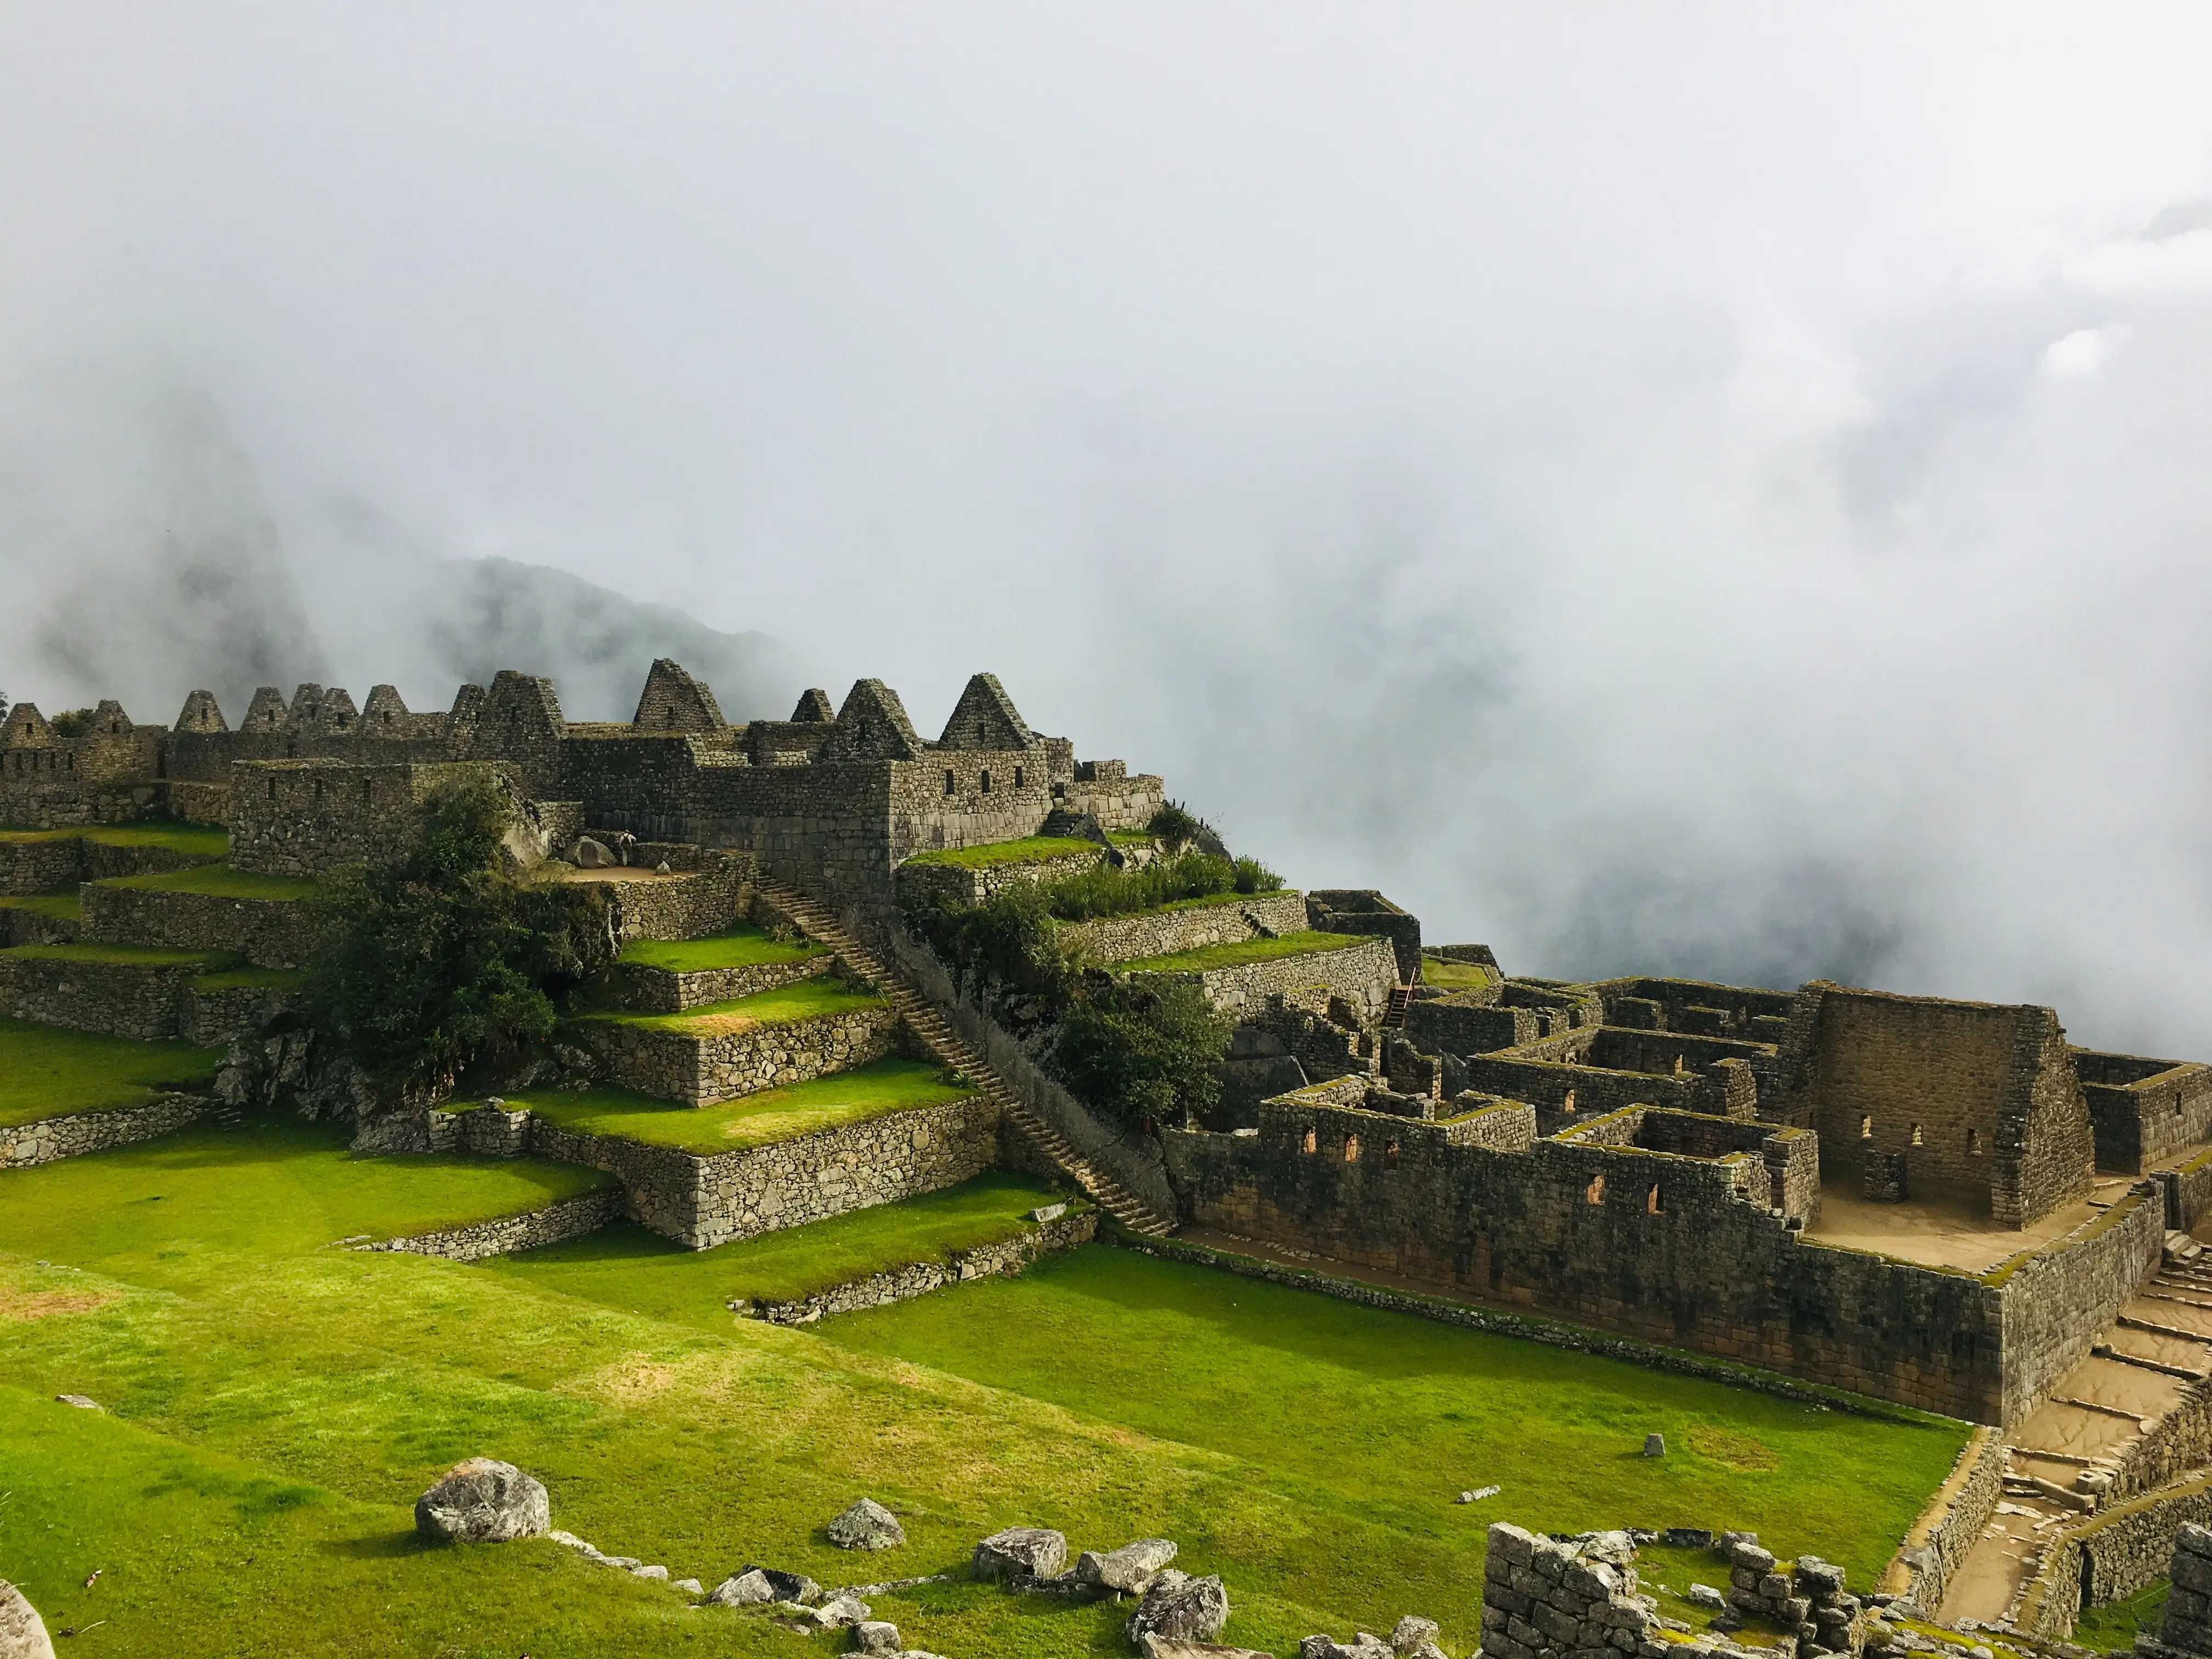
x=955 y=1051
x=1393 y=1016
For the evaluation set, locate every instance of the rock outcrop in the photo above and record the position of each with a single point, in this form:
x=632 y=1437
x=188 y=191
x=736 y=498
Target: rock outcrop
x=483 y=1501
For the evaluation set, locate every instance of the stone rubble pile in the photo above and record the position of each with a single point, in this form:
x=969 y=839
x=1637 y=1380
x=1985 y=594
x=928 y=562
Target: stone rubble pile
x=1807 y=1600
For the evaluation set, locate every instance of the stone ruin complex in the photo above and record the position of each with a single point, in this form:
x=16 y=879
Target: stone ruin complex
x=1939 y=1203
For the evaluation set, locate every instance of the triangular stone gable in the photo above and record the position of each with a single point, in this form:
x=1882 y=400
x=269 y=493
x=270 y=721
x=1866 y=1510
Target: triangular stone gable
x=673 y=701
x=305 y=707
x=339 y=713
x=461 y=720
x=201 y=714
x=814 y=709
x=872 y=725
x=26 y=727
x=986 y=717
x=265 y=713
x=385 y=714
x=108 y=720
x=520 y=706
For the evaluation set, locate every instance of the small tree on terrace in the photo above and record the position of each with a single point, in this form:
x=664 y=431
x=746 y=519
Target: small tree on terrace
x=437 y=964
x=1141 y=1051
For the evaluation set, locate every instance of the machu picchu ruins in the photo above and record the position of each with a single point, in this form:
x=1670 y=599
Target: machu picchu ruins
x=1837 y=1195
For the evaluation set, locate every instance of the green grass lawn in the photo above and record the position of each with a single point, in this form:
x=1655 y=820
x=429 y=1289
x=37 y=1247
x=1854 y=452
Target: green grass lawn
x=126 y=955
x=1235 y=955
x=199 y=840
x=876 y=1090
x=2112 y=1627
x=1456 y=975
x=257 y=979
x=47 y=1072
x=632 y=1270
x=735 y=947
x=1131 y=837
x=219 y=881
x=1030 y=849
x=274 y=1405
x=62 y=903
x=808 y=998
x=1396 y=1415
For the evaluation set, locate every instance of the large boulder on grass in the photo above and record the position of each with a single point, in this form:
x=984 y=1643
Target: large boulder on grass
x=23 y=1632
x=483 y=1501
x=742 y=1589
x=1180 y=1609
x=866 y=1526
x=1022 y=1551
x=1132 y=1568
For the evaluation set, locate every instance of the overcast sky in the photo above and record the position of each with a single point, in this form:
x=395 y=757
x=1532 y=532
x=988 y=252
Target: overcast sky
x=1714 y=490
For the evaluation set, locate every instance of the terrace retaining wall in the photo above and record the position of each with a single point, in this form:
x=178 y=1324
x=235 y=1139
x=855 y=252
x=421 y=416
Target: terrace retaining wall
x=702 y=1067
x=923 y=886
x=34 y=866
x=567 y=1217
x=146 y=1003
x=1363 y=975
x=999 y=1257
x=666 y=991
x=1937 y=1544
x=271 y=933
x=1192 y=927
x=73 y=1135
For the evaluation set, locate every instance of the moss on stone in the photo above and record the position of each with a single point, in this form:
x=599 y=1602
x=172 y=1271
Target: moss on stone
x=1030 y=849
x=876 y=1090
x=743 y=946
x=809 y=998
x=198 y=841
x=219 y=880
x=1211 y=956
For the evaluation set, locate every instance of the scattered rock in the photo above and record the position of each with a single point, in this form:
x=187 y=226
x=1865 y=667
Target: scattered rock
x=1655 y=1445
x=658 y=1573
x=80 y=1401
x=1048 y=1212
x=1686 y=1538
x=1478 y=1494
x=589 y=855
x=689 y=1586
x=1180 y=1609
x=1413 y=1634
x=788 y=1586
x=840 y=1613
x=483 y=1501
x=662 y=868
x=23 y=1632
x=743 y=1589
x=1034 y=1552
x=868 y=1526
x=1362 y=1646
x=1705 y=1595
x=1133 y=1567
x=876 y=1636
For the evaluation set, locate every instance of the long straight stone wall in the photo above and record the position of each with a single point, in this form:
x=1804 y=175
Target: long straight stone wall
x=2143 y=1110
x=271 y=933
x=1364 y=973
x=1699 y=1264
x=148 y=1004
x=73 y=1135
x=663 y=991
x=920 y=883
x=1189 y=928
x=567 y=1217
x=992 y=1260
x=36 y=867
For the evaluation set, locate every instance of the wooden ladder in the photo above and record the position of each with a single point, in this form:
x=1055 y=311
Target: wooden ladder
x=957 y=1053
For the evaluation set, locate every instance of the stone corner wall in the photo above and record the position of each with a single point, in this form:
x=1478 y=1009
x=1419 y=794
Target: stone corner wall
x=567 y=1218
x=1937 y=1543
x=47 y=1140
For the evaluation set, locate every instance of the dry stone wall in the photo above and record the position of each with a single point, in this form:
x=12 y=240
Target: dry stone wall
x=1547 y=1600
x=271 y=933
x=663 y=991
x=1001 y=1256
x=568 y=1217
x=2111 y=1555
x=2143 y=1110
x=22 y=1145
x=1189 y=928
x=687 y=905
x=700 y=1069
x=1363 y=975
x=145 y=1003
x=307 y=817
x=921 y=884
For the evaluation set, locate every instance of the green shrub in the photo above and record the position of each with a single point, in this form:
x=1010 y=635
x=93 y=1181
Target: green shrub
x=1253 y=877
x=1140 y=1052
x=439 y=966
x=1107 y=892
x=1009 y=939
x=1176 y=824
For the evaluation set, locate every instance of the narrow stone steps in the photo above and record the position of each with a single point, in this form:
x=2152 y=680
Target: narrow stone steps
x=936 y=1034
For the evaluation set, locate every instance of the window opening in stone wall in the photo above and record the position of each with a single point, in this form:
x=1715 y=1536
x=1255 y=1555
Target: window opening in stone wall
x=986 y=783
x=319 y=788
x=364 y=792
x=1595 y=1192
x=1311 y=1144
x=949 y=787
x=1390 y=1154
x=1866 y=1128
x=1916 y=1134
x=272 y=789
x=1017 y=777
x=1651 y=1202
x=1352 y=1149
x=1973 y=1143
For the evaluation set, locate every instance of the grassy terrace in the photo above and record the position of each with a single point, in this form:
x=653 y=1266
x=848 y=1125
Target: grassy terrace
x=198 y=841
x=272 y=1399
x=809 y=998
x=1456 y=975
x=634 y=1270
x=1211 y=956
x=253 y=979
x=876 y=1090
x=219 y=881
x=736 y=947
x=47 y=1072
x=62 y=903
x=1032 y=849
x=126 y=956
x=2112 y=1627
